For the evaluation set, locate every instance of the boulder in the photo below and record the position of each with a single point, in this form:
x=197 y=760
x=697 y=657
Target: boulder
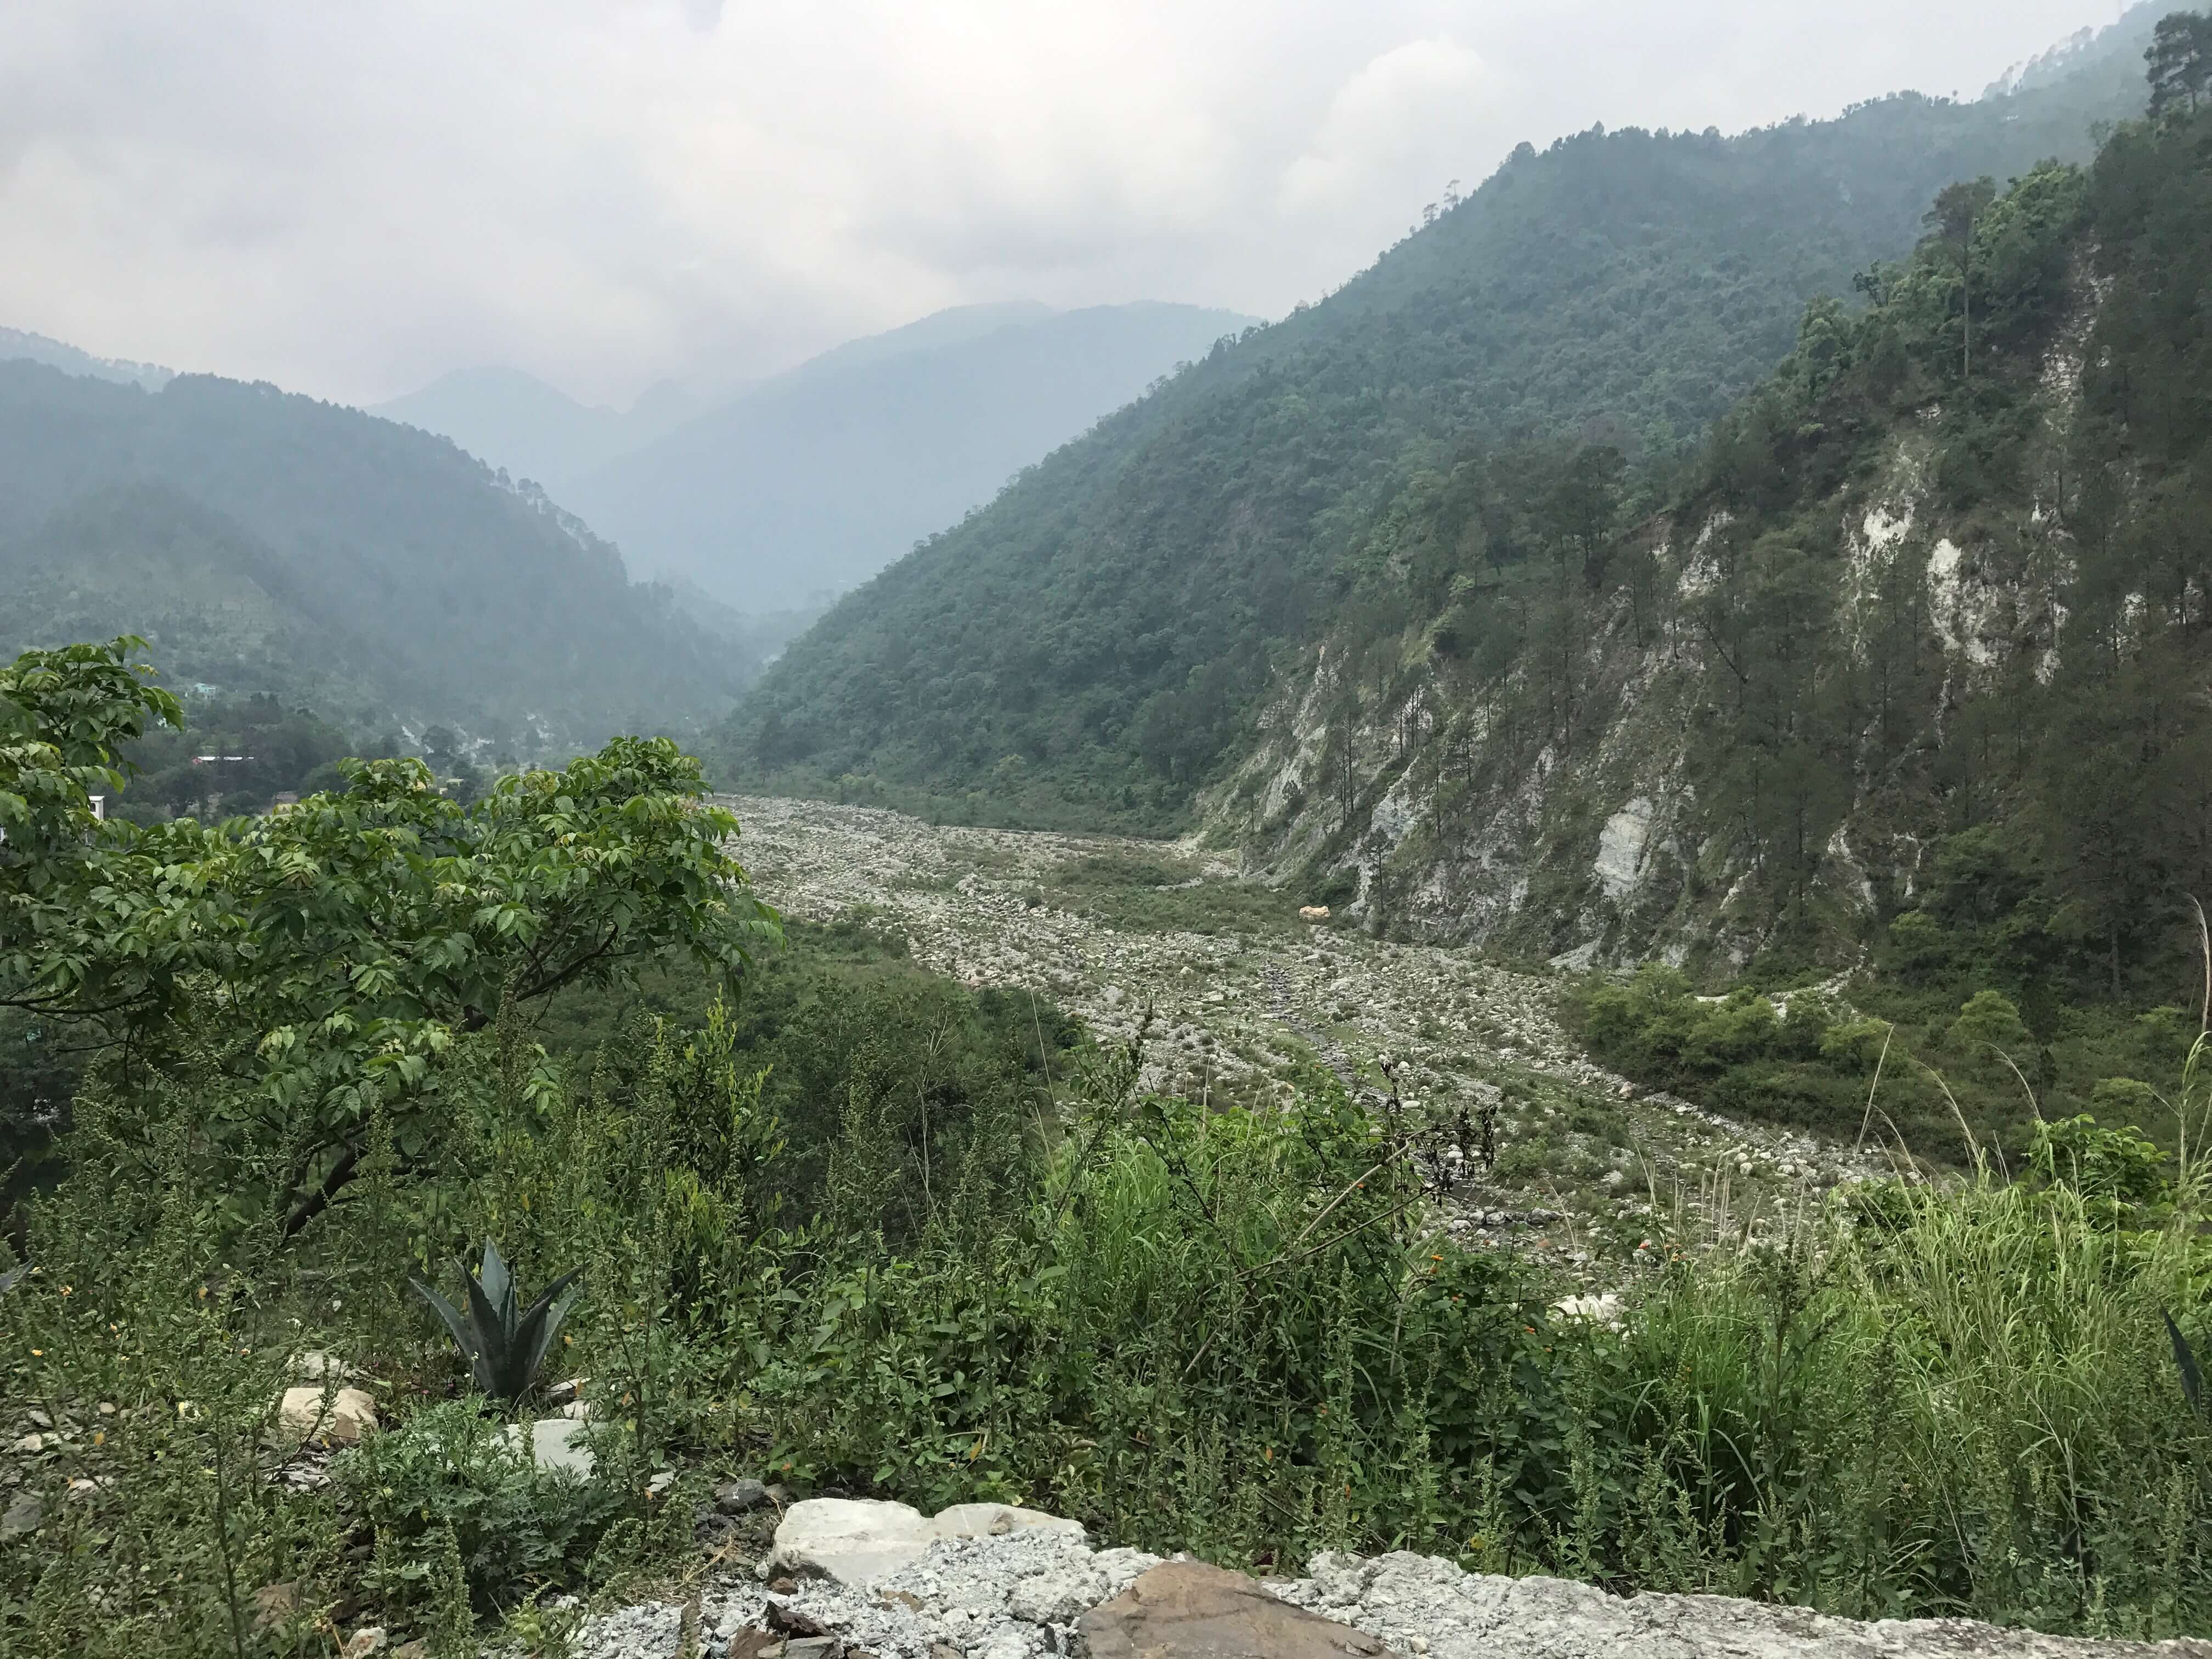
x=857 y=1540
x=738 y=1496
x=340 y=1418
x=556 y=1443
x=1313 y=912
x=275 y=1606
x=1188 y=1610
x=1604 y=1309
x=854 y=1540
x=26 y=1510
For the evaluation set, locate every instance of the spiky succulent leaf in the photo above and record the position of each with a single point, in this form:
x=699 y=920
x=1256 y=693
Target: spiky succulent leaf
x=498 y=1283
x=464 y=1338
x=535 y=1331
x=504 y=1349
x=492 y=1338
x=2192 y=1380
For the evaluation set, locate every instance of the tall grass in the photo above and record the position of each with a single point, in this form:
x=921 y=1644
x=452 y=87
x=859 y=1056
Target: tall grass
x=1229 y=1332
x=1226 y=1331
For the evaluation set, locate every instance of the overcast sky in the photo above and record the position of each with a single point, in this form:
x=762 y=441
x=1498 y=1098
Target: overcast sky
x=351 y=199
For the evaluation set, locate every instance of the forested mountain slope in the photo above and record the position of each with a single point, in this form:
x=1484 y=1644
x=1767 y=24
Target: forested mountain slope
x=264 y=541
x=811 y=482
x=1918 y=661
x=1087 y=649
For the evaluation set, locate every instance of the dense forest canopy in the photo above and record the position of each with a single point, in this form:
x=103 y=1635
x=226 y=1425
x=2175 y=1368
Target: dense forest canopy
x=1086 y=648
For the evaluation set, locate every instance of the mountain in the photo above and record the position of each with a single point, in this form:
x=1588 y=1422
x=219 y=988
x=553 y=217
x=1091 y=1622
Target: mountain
x=955 y=325
x=1911 y=664
x=817 y=479
x=263 y=542
x=17 y=346
x=515 y=421
x=1095 y=646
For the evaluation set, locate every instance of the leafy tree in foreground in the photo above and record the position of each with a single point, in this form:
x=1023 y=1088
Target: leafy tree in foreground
x=328 y=955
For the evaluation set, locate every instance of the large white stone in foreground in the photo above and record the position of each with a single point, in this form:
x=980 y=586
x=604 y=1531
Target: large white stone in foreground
x=857 y=1540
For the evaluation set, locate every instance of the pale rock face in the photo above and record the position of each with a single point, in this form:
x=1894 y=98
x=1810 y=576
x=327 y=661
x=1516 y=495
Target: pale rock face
x=1620 y=848
x=343 y=1420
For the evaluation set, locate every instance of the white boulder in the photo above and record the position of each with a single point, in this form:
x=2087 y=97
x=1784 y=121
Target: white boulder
x=556 y=1443
x=857 y=1540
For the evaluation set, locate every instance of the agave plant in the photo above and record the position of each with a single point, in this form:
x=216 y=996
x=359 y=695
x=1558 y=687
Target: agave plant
x=2192 y=1379
x=504 y=1348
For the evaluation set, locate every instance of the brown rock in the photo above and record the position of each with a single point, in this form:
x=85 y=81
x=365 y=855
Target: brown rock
x=795 y=1621
x=753 y=1644
x=340 y=1418
x=1188 y=1610
x=944 y=1650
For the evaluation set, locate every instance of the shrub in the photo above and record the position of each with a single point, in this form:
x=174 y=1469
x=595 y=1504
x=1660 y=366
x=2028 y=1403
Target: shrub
x=519 y=1527
x=2118 y=1166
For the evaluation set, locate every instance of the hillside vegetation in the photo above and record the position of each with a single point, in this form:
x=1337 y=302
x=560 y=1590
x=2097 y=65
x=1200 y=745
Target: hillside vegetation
x=870 y=1232
x=1088 y=649
x=1909 y=679
x=268 y=543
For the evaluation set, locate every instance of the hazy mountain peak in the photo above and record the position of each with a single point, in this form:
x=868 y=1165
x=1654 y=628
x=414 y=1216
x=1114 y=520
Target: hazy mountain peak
x=18 y=345
x=818 y=478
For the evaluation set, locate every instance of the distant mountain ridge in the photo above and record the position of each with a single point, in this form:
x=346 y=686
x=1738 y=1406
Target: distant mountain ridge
x=2086 y=48
x=17 y=345
x=511 y=420
x=267 y=542
x=771 y=496
x=814 y=481
x=515 y=422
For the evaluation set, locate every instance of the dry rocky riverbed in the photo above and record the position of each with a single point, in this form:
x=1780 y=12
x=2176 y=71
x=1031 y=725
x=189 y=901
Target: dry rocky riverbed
x=1231 y=995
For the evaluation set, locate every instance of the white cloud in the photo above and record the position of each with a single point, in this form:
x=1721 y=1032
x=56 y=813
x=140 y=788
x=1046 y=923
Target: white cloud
x=1409 y=108
x=350 y=199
